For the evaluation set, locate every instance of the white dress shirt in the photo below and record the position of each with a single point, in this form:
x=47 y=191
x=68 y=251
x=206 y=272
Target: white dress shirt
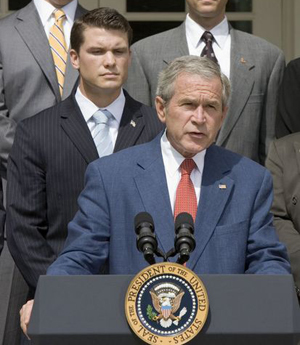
x=45 y=11
x=221 y=43
x=172 y=161
x=88 y=109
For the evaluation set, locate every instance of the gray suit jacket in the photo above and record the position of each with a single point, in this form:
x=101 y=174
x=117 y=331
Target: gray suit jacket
x=256 y=70
x=28 y=82
x=284 y=163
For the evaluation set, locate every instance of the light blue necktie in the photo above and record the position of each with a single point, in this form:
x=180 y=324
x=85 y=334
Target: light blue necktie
x=100 y=132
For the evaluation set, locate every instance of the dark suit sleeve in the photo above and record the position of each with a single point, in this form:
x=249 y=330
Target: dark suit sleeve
x=282 y=220
x=27 y=222
x=288 y=116
x=2 y=218
x=87 y=246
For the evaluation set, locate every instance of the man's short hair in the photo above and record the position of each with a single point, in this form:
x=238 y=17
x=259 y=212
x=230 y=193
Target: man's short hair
x=102 y=17
x=193 y=65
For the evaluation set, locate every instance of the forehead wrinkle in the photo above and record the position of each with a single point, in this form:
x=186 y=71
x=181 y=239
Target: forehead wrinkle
x=207 y=95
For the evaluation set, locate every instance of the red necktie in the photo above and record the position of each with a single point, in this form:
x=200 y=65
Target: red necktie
x=186 y=200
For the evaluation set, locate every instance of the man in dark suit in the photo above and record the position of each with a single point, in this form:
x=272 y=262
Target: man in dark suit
x=28 y=84
x=52 y=149
x=254 y=66
x=288 y=118
x=284 y=163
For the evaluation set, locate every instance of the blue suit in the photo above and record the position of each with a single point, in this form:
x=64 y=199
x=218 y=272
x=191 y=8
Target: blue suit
x=233 y=228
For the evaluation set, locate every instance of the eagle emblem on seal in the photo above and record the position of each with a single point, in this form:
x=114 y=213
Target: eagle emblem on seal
x=166 y=299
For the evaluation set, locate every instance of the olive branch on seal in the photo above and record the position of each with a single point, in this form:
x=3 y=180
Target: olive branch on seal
x=150 y=313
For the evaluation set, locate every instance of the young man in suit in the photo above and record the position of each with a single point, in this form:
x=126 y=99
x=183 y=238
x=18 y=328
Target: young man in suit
x=28 y=84
x=254 y=66
x=233 y=223
x=52 y=149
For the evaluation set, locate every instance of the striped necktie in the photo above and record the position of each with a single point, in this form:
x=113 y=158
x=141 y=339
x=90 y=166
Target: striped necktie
x=100 y=132
x=58 y=47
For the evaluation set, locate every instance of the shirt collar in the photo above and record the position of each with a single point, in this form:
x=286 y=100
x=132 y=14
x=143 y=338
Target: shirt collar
x=194 y=32
x=45 y=10
x=173 y=158
x=88 y=108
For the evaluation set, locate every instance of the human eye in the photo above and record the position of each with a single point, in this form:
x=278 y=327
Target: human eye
x=96 y=51
x=212 y=105
x=120 y=51
x=187 y=103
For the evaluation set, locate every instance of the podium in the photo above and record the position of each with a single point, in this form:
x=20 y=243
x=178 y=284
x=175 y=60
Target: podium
x=89 y=310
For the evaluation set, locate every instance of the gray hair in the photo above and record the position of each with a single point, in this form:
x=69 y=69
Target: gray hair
x=201 y=66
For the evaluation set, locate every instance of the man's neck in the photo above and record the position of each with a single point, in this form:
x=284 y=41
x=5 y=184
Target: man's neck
x=100 y=99
x=207 y=23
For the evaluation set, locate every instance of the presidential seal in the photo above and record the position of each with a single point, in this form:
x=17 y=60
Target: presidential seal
x=166 y=303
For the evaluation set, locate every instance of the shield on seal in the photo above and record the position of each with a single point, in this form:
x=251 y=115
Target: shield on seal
x=166 y=311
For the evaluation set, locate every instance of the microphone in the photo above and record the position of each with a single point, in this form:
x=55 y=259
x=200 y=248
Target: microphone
x=146 y=241
x=184 y=239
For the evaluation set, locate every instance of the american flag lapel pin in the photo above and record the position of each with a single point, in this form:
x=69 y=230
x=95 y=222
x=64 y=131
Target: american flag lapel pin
x=133 y=124
x=222 y=186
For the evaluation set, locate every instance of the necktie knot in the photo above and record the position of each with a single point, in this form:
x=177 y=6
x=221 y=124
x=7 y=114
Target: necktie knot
x=187 y=166
x=102 y=116
x=207 y=37
x=59 y=15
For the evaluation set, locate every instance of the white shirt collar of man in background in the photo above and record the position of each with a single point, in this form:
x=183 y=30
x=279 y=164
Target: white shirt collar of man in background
x=45 y=10
x=116 y=108
x=221 y=45
x=172 y=161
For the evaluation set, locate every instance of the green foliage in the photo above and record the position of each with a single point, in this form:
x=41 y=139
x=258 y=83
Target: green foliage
x=150 y=313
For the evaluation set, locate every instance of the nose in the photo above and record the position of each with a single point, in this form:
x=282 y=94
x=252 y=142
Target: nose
x=109 y=59
x=199 y=116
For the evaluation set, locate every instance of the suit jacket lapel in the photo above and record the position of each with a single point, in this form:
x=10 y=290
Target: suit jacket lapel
x=215 y=190
x=70 y=78
x=29 y=27
x=132 y=124
x=152 y=186
x=242 y=80
x=71 y=73
x=180 y=45
x=74 y=125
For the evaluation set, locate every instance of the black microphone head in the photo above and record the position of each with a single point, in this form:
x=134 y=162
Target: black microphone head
x=146 y=241
x=184 y=218
x=141 y=218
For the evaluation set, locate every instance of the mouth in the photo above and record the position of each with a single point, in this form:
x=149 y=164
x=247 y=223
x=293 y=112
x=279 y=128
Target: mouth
x=109 y=75
x=197 y=135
